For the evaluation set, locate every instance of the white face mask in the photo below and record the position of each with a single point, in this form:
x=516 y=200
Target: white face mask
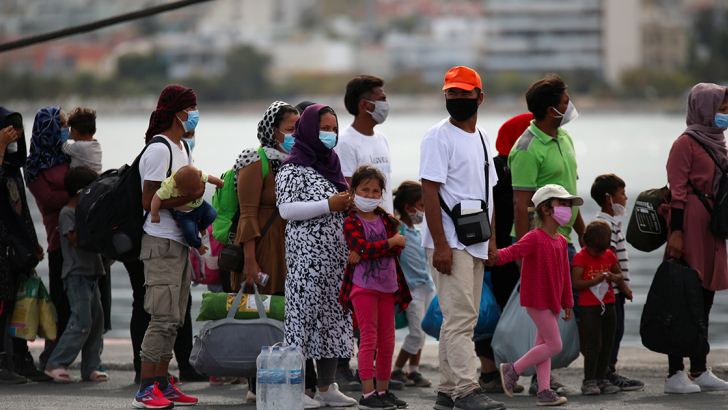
x=12 y=147
x=617 y=209
x=569 y=115
x=366 y=204
x=381 y=110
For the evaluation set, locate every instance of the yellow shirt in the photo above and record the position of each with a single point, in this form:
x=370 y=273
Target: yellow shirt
x=168 y=190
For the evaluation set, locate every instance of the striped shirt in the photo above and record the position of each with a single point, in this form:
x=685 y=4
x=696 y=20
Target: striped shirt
x=619 y=243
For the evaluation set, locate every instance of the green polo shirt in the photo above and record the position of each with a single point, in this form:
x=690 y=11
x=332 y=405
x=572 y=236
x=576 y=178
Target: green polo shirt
x=538 y=159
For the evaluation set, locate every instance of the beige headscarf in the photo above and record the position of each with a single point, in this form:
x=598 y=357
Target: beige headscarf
x=703 y=104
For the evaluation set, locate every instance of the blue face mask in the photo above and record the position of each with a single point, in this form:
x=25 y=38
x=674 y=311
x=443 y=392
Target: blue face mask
x=193 y=117
x=288 y=142
x=721 y=120
x=328 y=138
x=65 y=132
x=190 y=142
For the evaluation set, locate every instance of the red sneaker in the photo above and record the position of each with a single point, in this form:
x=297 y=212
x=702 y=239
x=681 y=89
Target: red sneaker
x=151 y=398
x=175 y=396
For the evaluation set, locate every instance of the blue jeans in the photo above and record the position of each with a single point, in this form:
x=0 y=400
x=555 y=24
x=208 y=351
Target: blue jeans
x=85 y=331
x=194 y=221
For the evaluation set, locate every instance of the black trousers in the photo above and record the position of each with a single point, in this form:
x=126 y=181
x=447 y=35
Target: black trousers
x=60 y=301
x=140 y=321
x=504 y=279
x=599 y=328
x=697 y=363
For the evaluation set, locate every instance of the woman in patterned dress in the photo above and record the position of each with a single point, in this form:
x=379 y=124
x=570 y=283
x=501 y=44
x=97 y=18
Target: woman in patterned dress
x=313 y=196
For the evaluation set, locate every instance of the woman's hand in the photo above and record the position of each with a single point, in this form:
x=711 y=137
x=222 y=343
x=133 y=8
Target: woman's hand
x=8 y=135
x=250 y=271
x=675 y=244
x=340 y=202
x=39 y=252
x=567 y=315
x=397 y=240
x=354 y=258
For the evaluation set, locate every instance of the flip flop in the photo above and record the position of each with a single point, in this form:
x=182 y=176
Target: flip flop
x=60 y=375
x=96 y=376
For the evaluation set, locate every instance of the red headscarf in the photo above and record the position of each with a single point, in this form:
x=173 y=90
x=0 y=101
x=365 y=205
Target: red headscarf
x=174 y=98
x=510 y=131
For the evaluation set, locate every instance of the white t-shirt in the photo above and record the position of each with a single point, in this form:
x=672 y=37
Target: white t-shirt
x=153 y=167
x=355 y=149
x=455 y=159
x=84 y=154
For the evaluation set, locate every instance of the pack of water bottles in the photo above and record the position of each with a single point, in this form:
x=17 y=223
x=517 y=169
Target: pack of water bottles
x=279 y=384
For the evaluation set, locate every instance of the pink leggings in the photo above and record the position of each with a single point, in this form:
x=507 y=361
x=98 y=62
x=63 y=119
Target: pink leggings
x=375 y=316
x=548 y=344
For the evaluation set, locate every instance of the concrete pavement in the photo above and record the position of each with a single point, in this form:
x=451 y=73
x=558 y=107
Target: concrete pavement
x=119 y=391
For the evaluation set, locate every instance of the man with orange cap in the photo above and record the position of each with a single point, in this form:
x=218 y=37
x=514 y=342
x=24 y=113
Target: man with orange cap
x=457 y=178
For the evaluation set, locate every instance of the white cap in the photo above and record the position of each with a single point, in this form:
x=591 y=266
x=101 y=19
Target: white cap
x=555 y=191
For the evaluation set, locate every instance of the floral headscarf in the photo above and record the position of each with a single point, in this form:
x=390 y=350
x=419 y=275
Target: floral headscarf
x=45 y=144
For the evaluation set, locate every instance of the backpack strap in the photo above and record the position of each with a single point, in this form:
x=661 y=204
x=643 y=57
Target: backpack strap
x=169 y=147
x=264 y=162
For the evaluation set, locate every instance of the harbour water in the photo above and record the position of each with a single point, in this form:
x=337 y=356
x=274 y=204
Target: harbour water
x=633 y=146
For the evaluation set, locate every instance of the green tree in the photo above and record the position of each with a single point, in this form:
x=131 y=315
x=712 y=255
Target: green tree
x=246 y=74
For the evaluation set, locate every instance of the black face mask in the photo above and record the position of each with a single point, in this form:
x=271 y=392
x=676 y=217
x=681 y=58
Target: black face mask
x=461 y=109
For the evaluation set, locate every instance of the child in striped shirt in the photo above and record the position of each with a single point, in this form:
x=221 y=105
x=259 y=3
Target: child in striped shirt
x=609 y=193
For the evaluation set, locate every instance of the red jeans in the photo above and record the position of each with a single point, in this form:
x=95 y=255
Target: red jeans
x=375 y=315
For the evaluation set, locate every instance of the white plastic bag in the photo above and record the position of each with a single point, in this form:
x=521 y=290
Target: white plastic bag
x=515 y=335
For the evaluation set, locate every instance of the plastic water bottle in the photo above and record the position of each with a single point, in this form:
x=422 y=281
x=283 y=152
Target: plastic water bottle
x=276 y=380
x=294 y=364
x=261 y=382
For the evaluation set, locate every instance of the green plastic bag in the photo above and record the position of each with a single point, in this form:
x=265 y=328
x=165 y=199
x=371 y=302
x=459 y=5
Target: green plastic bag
x=33 y=314
x=215 y=306
x=400 y=319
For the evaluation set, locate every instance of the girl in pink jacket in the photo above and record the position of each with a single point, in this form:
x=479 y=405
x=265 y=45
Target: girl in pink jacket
x=545 y=288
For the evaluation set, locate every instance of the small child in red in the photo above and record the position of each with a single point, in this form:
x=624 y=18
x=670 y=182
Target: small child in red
x=594 y=270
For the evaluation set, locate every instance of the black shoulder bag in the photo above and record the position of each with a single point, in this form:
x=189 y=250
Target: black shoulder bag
x=232 y=257
x=472 y=228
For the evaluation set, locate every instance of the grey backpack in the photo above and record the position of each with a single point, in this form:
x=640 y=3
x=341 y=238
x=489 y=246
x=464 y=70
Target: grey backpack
x=230 y=347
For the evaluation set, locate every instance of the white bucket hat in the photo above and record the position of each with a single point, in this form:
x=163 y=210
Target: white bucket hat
x=555 y=191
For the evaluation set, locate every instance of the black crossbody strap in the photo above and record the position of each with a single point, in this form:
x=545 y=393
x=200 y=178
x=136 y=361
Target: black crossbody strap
x=707 y=151
x=444 y=206
x=267 y=226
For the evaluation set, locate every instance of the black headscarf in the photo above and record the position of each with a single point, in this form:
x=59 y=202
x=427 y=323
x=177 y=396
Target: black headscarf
x=13 y=202
x=16 y=159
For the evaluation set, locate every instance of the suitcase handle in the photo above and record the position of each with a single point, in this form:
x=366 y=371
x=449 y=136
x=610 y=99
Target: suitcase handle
x=239 y=297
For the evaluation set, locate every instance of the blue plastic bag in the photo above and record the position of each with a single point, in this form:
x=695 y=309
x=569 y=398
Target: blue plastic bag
x=487 y=318
x=432 y=322
x=490 y=312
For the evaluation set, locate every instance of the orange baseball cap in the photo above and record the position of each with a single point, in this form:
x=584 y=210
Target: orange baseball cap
x=462 y=77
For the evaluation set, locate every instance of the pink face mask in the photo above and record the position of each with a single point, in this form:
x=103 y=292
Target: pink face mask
x=562 y=214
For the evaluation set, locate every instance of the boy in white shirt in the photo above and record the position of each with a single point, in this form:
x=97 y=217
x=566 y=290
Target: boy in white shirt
x=85 y=151
x=360 y=143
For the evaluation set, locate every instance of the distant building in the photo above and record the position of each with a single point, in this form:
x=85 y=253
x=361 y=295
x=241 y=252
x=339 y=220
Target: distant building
x=542 y=35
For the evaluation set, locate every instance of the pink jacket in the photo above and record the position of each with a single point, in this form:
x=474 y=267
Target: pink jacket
x=545 y=275
x=705 y=253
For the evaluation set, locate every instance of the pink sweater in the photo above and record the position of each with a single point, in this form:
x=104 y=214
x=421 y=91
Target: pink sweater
x=545 y=276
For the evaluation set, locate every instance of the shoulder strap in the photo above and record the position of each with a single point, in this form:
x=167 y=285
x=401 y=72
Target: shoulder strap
x=444 y=206
x=264 y=162
x=169 y=147
x=267 y=226
x=717 y=164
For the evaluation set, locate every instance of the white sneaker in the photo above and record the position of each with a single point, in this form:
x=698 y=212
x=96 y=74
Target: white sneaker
x=309 y=403
x=333 y=397
x=709 y=382
x=680 y=383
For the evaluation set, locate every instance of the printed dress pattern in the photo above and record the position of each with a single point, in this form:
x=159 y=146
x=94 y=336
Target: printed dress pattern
x=316 y=254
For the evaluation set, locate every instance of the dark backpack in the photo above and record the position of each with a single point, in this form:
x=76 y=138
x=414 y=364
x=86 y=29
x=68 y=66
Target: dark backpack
x=673 y=320
x=110 y=216
x=647 y=229
x=719 y=211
